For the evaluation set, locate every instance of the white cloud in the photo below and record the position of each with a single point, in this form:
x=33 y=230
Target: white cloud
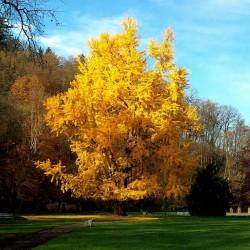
x=96 y=26
x=75 y=42
x=60 y=43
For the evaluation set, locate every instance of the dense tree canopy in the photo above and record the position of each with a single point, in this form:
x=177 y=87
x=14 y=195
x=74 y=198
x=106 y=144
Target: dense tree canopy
x=125 y=122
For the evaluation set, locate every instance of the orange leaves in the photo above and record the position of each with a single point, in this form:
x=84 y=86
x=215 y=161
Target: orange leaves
x=53 y=170
x=124 y=121
x=28 y=90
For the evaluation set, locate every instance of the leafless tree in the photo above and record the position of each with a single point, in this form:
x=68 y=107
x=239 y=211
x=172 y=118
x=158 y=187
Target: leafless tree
x=27 y=17
x=223 y=136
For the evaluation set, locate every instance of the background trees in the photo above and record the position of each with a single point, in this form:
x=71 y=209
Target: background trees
x=24 y=85
x=223 y=137
x=245 y=161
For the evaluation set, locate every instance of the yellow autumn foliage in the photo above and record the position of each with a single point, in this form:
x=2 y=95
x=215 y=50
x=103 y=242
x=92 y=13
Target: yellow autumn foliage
x=125 y=121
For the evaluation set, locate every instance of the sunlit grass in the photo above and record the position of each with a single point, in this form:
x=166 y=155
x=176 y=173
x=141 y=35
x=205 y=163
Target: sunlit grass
x=240 y=214
x=34 y=223
x=158 y=231
x=229 y=233
x=99 y=217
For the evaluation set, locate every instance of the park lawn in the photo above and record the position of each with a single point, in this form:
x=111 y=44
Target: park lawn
x=229 y=233
x=35 y=223
x=13 y=227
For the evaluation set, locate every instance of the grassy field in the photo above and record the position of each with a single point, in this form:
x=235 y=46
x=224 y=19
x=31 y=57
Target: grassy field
x=166 y=233
x=34 y=223
x=29 y=224
x=136 y=233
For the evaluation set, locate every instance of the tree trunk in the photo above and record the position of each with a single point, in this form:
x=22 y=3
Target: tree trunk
x=119 y=208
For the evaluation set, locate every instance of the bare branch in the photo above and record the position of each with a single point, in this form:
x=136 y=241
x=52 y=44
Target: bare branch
x=28 y=17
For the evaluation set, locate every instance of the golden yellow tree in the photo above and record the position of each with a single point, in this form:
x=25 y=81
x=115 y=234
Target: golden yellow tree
x=125 y=122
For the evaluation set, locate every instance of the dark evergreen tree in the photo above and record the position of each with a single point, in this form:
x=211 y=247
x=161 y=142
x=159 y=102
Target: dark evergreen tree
x=210 y=194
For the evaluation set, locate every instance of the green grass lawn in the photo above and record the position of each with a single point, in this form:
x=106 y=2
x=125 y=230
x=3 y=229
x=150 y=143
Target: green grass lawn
x=34 y=223
x=10 y=228
x=112 y=232
x=175 y=233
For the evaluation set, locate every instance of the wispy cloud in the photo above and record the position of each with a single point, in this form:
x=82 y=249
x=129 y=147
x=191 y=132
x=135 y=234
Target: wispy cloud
x=61 y=44
x=69 y=42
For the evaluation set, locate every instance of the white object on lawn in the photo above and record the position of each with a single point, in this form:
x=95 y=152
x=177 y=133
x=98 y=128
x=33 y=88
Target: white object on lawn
x=89 y=223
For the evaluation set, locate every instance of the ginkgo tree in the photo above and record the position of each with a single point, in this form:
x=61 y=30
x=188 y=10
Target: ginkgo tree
x=125 y=121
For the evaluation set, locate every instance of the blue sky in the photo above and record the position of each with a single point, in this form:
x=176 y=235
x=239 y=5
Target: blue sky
x=212 y=38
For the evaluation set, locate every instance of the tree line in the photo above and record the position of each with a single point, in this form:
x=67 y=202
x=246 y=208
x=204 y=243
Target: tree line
x=25 y=83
